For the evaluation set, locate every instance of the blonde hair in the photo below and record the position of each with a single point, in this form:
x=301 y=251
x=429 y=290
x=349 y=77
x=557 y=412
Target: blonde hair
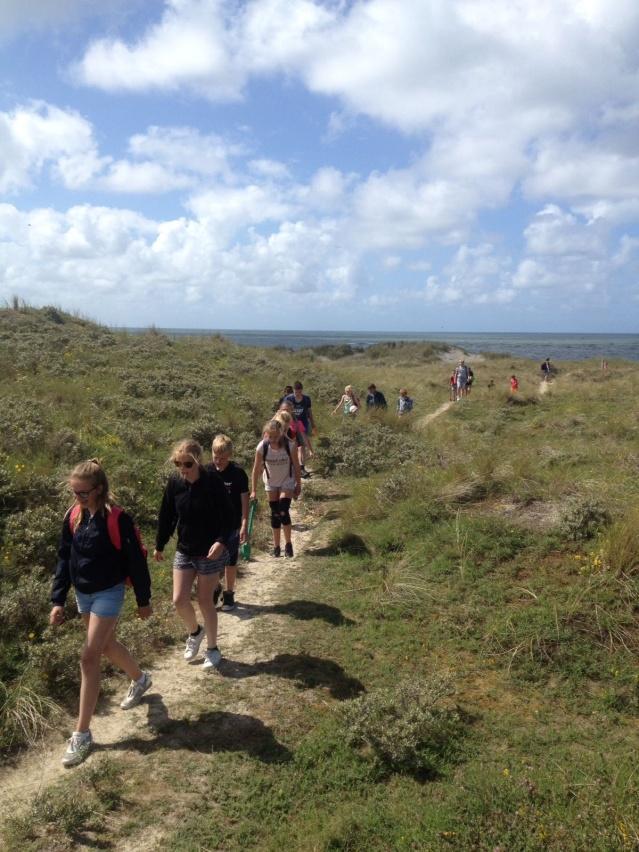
x=403 y=392
x=222 y=444
x=284 y=417
x=349 y=389
x=93 y=472
x=187 y=447
x=275 y=425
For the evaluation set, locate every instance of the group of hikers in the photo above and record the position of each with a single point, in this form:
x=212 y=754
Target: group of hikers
x=350 y=403
x=462 y=377
x=101 y=551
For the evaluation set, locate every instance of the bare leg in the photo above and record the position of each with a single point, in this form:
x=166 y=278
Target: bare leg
x=182 y=584
x=121 y=657
x=276 y=532
x=99 y=633
x=205 y=585
x=231 y=576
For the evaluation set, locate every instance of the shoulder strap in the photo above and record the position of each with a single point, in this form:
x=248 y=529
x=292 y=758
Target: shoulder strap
x=113 y=526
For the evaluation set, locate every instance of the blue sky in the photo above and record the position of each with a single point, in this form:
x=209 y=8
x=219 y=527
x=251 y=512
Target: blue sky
x=466 y=165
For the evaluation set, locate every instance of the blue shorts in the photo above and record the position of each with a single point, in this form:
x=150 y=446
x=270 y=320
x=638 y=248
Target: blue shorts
x=200 y=564
x=107 y=603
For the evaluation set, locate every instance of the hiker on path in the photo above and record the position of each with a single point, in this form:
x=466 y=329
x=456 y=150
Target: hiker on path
x=349 y=403
x=277 y=461
x=546 y=370
x=514 y=384
x=99 y=549
x=288 y=391
x=461 y=379
x=196 y=502
x=375 y=399
x=469 y=383
x=404 y=402
x=452 y=385
x=237 y=485
x=303 y=410
x=298 y=433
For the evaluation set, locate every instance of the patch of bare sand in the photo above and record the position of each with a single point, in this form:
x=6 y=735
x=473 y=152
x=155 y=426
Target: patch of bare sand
x=173 y=694
x=453 y=356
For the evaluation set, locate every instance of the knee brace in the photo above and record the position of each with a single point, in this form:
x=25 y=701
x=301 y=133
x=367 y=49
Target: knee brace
x=285 y=515
x=276 y=519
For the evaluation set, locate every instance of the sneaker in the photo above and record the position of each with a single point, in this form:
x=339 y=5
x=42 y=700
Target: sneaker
x=228 y=601
x=288 y=549
x=193 y=644
x=136 y=691
x=78 y=748
x=212 y=658
x=277 y=551
x=216 y=594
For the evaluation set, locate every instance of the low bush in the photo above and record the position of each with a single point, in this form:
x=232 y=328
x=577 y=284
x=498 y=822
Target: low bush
x=31 y=537
x=24 y=714
x=411 y=728
x=364 y=448
x=582 y=518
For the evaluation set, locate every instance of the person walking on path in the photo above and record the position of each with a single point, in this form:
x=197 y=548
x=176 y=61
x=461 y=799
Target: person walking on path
x=514 y=384
x=461 y=379
x=349 y=403
x=375 y=399
x=99 y=549
x=298 y=433
x=277 y=461
x=546 y=370
x=196 y=502
x=303 y=410
x=452 y=385
x=404 y=403
x=237 y=485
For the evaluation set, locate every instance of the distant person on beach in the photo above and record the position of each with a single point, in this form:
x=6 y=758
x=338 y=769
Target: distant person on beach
x=196 y=502
x=546 y=370
x=514 y=384
x=404 y=403
x=461 y=379
x=237 y=486
x=469 y=383
x=349 y=402
x=277 y=461
x=91 y=561
x=375 y=398
x=604 y=365
x=303 y=410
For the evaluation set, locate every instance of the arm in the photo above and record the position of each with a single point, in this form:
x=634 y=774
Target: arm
x=62 y=578
x=311 y=419
x=258 y=467
x=167 y=520
x=339 y=404
x=297 y=471
x=136 y=565
x=244 y=497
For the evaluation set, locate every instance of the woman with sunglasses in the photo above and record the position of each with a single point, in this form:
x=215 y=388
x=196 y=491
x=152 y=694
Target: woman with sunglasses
x=197 y=503
x=97 y=569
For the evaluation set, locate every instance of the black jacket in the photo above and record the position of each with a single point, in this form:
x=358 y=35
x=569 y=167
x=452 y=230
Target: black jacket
x=202 y=512
x=375 y=399
x=89 y=561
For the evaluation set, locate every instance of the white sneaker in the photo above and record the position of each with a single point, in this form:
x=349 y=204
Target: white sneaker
x=136 y=691
x=212 y=659
x=193 y=644
x=78 y=748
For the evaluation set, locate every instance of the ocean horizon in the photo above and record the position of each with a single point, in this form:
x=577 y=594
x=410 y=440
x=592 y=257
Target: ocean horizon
x=540 y=345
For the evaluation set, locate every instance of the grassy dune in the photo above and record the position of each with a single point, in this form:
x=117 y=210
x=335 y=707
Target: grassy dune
x=470 y=626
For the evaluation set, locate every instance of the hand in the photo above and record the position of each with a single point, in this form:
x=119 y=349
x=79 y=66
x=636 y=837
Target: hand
x=297 y=490
x=158 y=556
x=56 y=616
x=252 y=495
x=243 y=535
x=145 y=612
x=216 y=551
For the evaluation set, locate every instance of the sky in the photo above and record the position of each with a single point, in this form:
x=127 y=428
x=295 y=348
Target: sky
x=424 y=165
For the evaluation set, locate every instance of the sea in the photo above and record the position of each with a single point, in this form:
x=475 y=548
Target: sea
x=557 y=347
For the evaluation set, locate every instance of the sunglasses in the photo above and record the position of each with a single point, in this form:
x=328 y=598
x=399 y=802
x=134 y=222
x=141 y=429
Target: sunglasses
x=187 y=464
x=82 y=495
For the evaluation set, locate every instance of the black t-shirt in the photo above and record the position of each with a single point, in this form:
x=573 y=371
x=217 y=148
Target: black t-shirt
x=236 y=482
x=302 y=408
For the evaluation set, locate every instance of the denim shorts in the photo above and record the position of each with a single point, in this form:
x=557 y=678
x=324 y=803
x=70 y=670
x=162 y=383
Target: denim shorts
x=107 y=603
x=200 y=564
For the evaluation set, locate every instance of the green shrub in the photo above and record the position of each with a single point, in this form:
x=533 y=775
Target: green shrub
x=31 y=537
x=581 y=519
x=364 y=448
x=24 y=714
x=620 y=548
x=411 y=728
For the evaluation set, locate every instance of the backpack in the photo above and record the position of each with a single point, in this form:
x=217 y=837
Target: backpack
x=265 y=446
x=113 y=528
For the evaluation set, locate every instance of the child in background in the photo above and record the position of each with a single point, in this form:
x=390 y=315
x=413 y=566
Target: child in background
x=452 y=383
x=237 y=485
x=514 y=384
x=97 y=569
x=404 y=403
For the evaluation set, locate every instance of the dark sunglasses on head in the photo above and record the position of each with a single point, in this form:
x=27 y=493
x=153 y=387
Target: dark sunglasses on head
x=186 y=464
x=84 y=494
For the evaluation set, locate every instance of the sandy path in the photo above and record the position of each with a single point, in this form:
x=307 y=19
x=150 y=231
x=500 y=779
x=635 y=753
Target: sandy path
x=261 y=583
x=428 y=418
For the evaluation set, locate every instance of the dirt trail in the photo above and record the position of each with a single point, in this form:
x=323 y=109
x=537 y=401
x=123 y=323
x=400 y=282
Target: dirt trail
x=428 y=418
x=544 y=387
x=261 y=583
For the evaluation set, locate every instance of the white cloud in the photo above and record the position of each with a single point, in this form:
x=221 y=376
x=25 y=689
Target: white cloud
x=556 y=232
x=475 y=275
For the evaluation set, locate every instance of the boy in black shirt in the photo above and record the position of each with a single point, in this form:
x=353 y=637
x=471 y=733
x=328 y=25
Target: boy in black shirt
x=236 y=482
